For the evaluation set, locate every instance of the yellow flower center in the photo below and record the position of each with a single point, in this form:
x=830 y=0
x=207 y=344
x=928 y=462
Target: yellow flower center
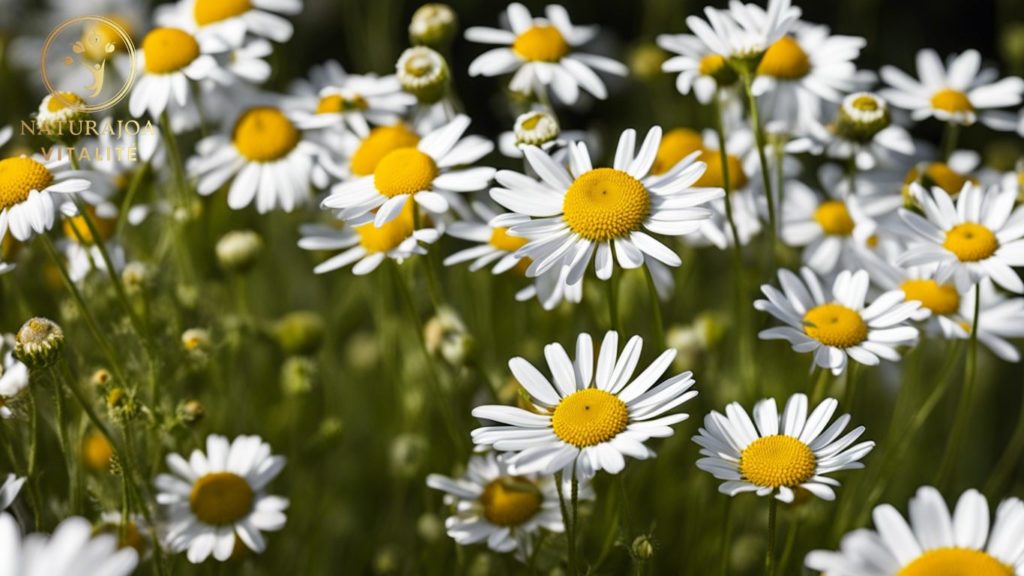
x=834 y=218
x=97 y=452
x=61 y=100
x=221 y=498
x=713 y=176
x=955 y=562
x=541 y=44
x=675 y=145
x=952 y=101
x=19 y=177
x=502 y=241
x=169 y=50
x=971 y=242
x=589 y=417
x=77 y=230
x=866 y=103
x=936 y=174
x=775 y=461
x=941 y=299
x=605 y=203
x=404 y=171
x=265 y=134
x=210 y=11
x=835 y=325
x=712 y=64
x=336 y=104
x=785 y=59
x=510 y=501
x=96 y=36
x=388 y=236
x=379 y=143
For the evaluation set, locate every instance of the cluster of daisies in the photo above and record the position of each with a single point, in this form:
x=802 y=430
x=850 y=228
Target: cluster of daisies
x=898 y=240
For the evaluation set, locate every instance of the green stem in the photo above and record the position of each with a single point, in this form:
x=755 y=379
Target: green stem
x=129 y=198
x=613 y=304
x=1010 y=459
x=659 y=324
x=759 y=138
x=566 y=523
x=33 y=452
x=725 y=548
x=950 y=135
x=787 y=552
x=820 y=377
x=966 y=399
x=62 y=439
x=769 y=558
x=575 y=498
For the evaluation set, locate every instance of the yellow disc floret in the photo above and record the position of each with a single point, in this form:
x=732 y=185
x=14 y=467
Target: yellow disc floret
x=265 y=134
x=775 y=461
x=604 y=204
x=388 y=236
x=541 y=44
x=168 y=50
x=589 y=417
x=336 y=104
x=19 y=177
x=675 y=145
x=713 y=176
x=786 y=60
x=936 y=174
x=510 y=501
x=502 y=241
x=835 y=325
x=941 y=299
x=381 y=141
x=404 y=171
x=221 y=498
x=210 y=11
x=834 y=218
x=971 y=242
x=955 y=562
x=952 y=101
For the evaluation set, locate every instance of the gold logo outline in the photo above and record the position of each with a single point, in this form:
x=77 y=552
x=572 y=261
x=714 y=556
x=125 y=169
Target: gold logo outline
x=129 y=47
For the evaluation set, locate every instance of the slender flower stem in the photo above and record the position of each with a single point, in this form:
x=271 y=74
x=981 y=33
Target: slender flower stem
x=659 y=324
x=820 y=377
x=62 y=437
x=613 y=304
x=433 y=286
x=950 y=135
x=129 y=198
x=725 y=547
x=851 y=173
x=759 y=138
x=575 y=498
x=33 y=452
x=566 y=523
x=966 y=399
x=769 y=558
x=787 y=551
x=1010 y=460
x=737 y=248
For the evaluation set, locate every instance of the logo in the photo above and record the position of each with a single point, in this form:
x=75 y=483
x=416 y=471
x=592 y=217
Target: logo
x=78 y=61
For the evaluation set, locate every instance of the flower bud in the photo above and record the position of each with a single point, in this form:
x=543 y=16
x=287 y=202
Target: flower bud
x=237 y=251
x=134 y=276
x=39 y=343
x=430 y=528
x=423 y=72
x=645 y=61
x=196 y=340
x=300 y=332
x=433 y=25
x=446 y=336
x=536 y=128
x=297 y=375
x=56 y=112
x=97 y=451
x=642 y=548
x=191 y=412
x=100 y=378
x=861 y=116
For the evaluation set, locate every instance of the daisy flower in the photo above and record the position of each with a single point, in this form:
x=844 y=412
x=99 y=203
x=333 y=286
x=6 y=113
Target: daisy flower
x=831 y=229
x=960 y=92
x=978 y=236
x=228 y=21
x=586 y=422
x=836 y=325
x=420 y=172
x=28 y=186
x=494 y=245
x=504 y=509
x=137 y=533
x=366 y=245
x=701 y=70
x=968 y=541
x=9 y=490
x=541 y=52
x=213 y=498
x=348 y=101
x=582 y=212
x=72 y=550
x=999 y=320
x=950 y=176
x=267 y=156
x=168 y=59
x=745 y=31
x=779 y=454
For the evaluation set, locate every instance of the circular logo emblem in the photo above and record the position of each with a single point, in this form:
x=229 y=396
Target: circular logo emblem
x=80 y=59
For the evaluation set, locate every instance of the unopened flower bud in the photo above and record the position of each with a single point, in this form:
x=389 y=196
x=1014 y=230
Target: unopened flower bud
x=297 y=375
x=100 y=378
x=645 y=61
x=56 y=112
x=536 y=128
x=134 y=276
x=237 y=251
x=196 y=340
x=300 y=332
x=433 y=25
x=430 y=528
x=642 y=548
x=39 y=343
x=861 y=116
x=446 y=336
x=97 y=451
x=423 y=72
x=191 y=412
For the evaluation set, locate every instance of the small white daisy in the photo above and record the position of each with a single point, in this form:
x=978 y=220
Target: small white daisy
x=779 y=454
x=348 y=101
x=168 y=59
x=584 y=212
x=836 y=325
x=213 y=498
x=744 y=31
x=366 y=245
x=981 y=235
x=960 y=92
x=700 y=69
x=268 y=157
x=505 y=510
x=72 y=550
x=494 y=244
x=582 y=423
x=9 y=490
x=541 y=52
x=967 y=542
x=420 y=172
x=27 y=189
x=228 y=21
